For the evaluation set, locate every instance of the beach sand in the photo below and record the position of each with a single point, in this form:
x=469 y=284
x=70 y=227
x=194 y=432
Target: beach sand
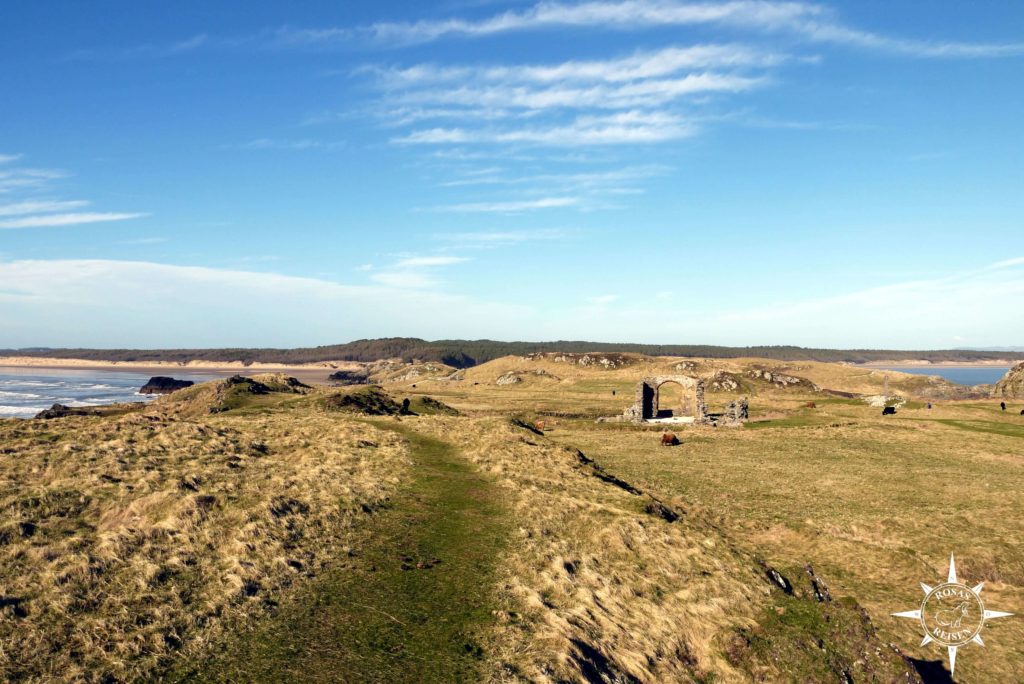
x=314 y=373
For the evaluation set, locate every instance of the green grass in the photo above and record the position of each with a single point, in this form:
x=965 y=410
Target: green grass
x=796 y=421
x=988 y=426
x=411 y=604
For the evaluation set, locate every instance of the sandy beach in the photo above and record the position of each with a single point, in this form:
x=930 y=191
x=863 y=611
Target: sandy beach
x=315 y=373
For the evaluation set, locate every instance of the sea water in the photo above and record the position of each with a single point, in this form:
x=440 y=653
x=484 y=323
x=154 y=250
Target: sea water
x=961 y=375
x=24 y=392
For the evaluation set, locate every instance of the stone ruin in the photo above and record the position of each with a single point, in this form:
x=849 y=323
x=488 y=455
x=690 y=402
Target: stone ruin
x=736 y=413
x=647 y=403
x=647 y=406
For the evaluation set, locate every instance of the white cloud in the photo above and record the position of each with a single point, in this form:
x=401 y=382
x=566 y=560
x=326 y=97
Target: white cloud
x=499 y=238
x=138 y=303
x=596 y=180
x=55 y=220
x=632 y=127
x=14 y=180
x=407 y=280
x=975 y=301
x=36 y=207
x=22 y=187
x=640 y=93
x=630 y=14
x=513 y=206
x=806 y=20
x=637 y=66
x=415 y=272
x=160 y=305
x=427 y=261
x=296 y=144
x=143 y=241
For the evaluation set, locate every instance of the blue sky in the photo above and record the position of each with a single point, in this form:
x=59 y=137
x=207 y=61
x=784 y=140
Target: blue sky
x=199 y=174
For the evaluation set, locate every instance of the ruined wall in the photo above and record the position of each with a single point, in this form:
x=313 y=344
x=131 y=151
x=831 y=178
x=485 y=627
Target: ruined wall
x=646 y=398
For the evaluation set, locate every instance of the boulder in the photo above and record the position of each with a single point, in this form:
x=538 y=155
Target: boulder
x=164 y=385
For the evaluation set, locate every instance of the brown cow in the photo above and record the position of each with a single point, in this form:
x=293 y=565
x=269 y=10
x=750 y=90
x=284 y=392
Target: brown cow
x=669 y=439
x=810 y=404
x=539 y=425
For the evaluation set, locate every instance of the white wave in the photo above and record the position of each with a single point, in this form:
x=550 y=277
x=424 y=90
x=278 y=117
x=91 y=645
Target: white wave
x=20 y=395
x=21 y=411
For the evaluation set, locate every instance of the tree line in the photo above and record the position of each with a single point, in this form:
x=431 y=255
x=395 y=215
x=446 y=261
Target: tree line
x=466 y=353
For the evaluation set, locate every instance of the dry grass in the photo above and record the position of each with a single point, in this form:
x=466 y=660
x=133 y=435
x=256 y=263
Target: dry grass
x=127 y=539
x=598 y=586
x=131 y=538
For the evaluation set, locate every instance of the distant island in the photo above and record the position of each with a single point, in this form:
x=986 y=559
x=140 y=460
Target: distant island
x=468 y=353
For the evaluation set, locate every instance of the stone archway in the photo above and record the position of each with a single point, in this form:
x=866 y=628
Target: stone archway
x=646 y=405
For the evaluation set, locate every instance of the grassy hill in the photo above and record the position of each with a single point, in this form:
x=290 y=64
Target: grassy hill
x=467 y=353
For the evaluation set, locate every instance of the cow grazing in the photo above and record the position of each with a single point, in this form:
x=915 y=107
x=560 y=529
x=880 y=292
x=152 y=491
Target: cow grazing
x=810 y=404
x=889 y=411
x=538 y=425
x=1002 y=405
x=669 y=439
x=1022 y=412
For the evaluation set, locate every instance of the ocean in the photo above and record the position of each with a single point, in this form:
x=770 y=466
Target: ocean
x=24 y=392
x=962 y=375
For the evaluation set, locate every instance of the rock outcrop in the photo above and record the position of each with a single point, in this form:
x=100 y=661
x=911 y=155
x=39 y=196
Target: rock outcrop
x=1011 y=386
x=62 y=411
x=350 y=377
x=781 y=380
x=516 y=377
x=163 y=385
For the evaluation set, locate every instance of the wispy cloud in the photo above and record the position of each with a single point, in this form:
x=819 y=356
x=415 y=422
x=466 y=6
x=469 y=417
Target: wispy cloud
x=13 y=180
x=509 y=207
x=585 y=180
x=638 y=93
x=413 y=271
x=640 y=65
x=295 y=144
x=427 y=261
x=28 y=191
x=146 y=50
x=633 y=127
x=500 y=238
x=36 y=207
x=35 y=292
x=143 y=241
x=75 y=219
x=813 y=22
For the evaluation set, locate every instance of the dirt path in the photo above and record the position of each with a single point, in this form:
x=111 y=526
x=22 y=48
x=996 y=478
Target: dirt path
x=410 y=606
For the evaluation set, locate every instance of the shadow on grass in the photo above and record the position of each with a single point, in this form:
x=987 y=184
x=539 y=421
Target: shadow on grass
x=932 y=671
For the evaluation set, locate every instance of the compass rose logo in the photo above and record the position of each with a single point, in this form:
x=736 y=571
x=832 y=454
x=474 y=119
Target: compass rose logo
x=952 y=614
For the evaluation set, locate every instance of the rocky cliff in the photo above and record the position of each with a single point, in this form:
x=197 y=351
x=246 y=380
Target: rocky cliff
x=1011 y=386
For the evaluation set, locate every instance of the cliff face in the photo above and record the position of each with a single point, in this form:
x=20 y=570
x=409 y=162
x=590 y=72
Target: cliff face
x=1011 y=386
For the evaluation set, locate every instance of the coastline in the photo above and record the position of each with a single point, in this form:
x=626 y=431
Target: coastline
x=309 y=373
x=937 y=364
